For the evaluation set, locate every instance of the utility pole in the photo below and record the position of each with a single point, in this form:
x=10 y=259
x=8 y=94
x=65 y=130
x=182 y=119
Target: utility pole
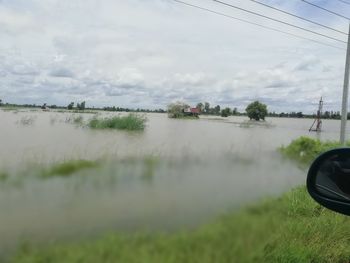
x=344 y=113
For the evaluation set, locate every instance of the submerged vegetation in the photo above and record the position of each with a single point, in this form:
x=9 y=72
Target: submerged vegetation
x=292 y=228
x=131 y=122
x=67 y=168
x=304 y=149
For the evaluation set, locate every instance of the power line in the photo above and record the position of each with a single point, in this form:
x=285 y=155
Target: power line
x=279 y=21
x=256 y=24
x=325 y=9
x=344 y=2
x=300 y=17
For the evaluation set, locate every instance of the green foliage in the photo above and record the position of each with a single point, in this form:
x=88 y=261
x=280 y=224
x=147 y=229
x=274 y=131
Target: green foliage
x=256 y=111
x=206 y=107
x=292 y=228
x=70 y=106
x=176 y=110
x=81 y=106
x=68 y=168
x=226 y=112
x=131 y=122
x=200 y=106
x=304 y=149
x=217 y=109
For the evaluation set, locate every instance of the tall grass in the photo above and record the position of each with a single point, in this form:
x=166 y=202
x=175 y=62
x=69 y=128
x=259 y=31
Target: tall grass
x=131 y=122
x=304 y=149
x=292 y=228
x=67 y=168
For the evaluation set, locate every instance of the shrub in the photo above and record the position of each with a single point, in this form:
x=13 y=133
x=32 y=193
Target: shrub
x=131 y=122
x=305 y=149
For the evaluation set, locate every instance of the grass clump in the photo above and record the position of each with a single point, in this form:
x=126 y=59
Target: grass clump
x=304 y=149
x=131 y=122
x=292 y=228
x=68 y=168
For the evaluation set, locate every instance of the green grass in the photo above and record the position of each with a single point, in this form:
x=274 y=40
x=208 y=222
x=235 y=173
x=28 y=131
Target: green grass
x=304 y=149
x=131 y=122
x=292 y=228
x=68 y=168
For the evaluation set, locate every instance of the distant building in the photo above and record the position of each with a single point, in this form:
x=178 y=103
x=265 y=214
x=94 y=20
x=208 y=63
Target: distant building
x=191 y=112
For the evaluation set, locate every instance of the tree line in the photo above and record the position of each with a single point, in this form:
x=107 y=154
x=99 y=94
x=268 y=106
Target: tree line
x=204 y=107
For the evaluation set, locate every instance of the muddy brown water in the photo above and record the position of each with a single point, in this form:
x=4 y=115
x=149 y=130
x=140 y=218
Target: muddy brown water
x=203 y=169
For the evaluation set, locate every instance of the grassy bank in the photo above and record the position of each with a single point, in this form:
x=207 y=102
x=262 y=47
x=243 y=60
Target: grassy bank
x=292 y=228
x=131 y=122
x=304 y=149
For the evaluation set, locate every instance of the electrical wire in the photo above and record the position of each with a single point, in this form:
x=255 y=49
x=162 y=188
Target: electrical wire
x=300 y=17
x=256 y=24
x=344 y=2
x=276 y=20
x=325 y=9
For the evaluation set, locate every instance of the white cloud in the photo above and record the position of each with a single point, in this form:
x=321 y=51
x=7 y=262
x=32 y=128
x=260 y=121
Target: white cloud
x=148 y=53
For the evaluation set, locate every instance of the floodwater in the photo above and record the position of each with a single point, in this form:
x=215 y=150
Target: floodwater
x=202 y=169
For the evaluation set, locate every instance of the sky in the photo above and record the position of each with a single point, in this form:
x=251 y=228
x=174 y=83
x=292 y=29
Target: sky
x=149 y=53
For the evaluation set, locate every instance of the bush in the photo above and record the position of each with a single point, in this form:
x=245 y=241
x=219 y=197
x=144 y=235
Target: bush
x=304 y=149
x=131 y=122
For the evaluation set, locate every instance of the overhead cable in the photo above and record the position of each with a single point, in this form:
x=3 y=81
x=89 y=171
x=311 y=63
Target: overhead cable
x=300 y=17
x=325 y=9
x=277 y=20
x=345 y=2
x=256 y=24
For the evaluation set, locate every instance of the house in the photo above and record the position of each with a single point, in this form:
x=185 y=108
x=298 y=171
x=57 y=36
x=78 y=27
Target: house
x=191 y=112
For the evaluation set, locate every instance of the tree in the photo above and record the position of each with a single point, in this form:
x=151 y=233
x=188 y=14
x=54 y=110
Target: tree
x=200 y=106
x=81 y=106
x=226 y=112
x=70 y=106
x=235 y=111
x=0 y=102
x=176 y=110
x=256 y=111
x=206 y=107
x=217 y=109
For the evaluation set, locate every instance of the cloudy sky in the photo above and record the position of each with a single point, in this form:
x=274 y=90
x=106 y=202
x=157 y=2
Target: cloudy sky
x=148 y=53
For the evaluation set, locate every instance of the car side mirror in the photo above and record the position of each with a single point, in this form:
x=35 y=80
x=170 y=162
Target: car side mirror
x=328 y=180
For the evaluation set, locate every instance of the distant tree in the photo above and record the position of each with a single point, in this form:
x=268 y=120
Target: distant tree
x=0 y=102
x=226 y=112
x=217 y=109
x=206 y=107
x=176 y=110
x=200 y=106
x=256 y=111
x=70 y=106
x=235 y=111
x=300 y=114
x=81 y=106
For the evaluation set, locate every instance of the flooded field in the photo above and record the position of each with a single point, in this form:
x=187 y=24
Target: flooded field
x=176 y=174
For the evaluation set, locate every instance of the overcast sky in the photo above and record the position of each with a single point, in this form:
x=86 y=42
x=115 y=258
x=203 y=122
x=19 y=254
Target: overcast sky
x=148 y=53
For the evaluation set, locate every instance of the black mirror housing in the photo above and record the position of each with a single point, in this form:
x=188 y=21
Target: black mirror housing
x=328 y=180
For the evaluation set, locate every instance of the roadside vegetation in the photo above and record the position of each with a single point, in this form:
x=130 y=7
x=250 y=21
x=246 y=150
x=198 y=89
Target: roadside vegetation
x=292 y=228
x=305 y=149
x=131 y=122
